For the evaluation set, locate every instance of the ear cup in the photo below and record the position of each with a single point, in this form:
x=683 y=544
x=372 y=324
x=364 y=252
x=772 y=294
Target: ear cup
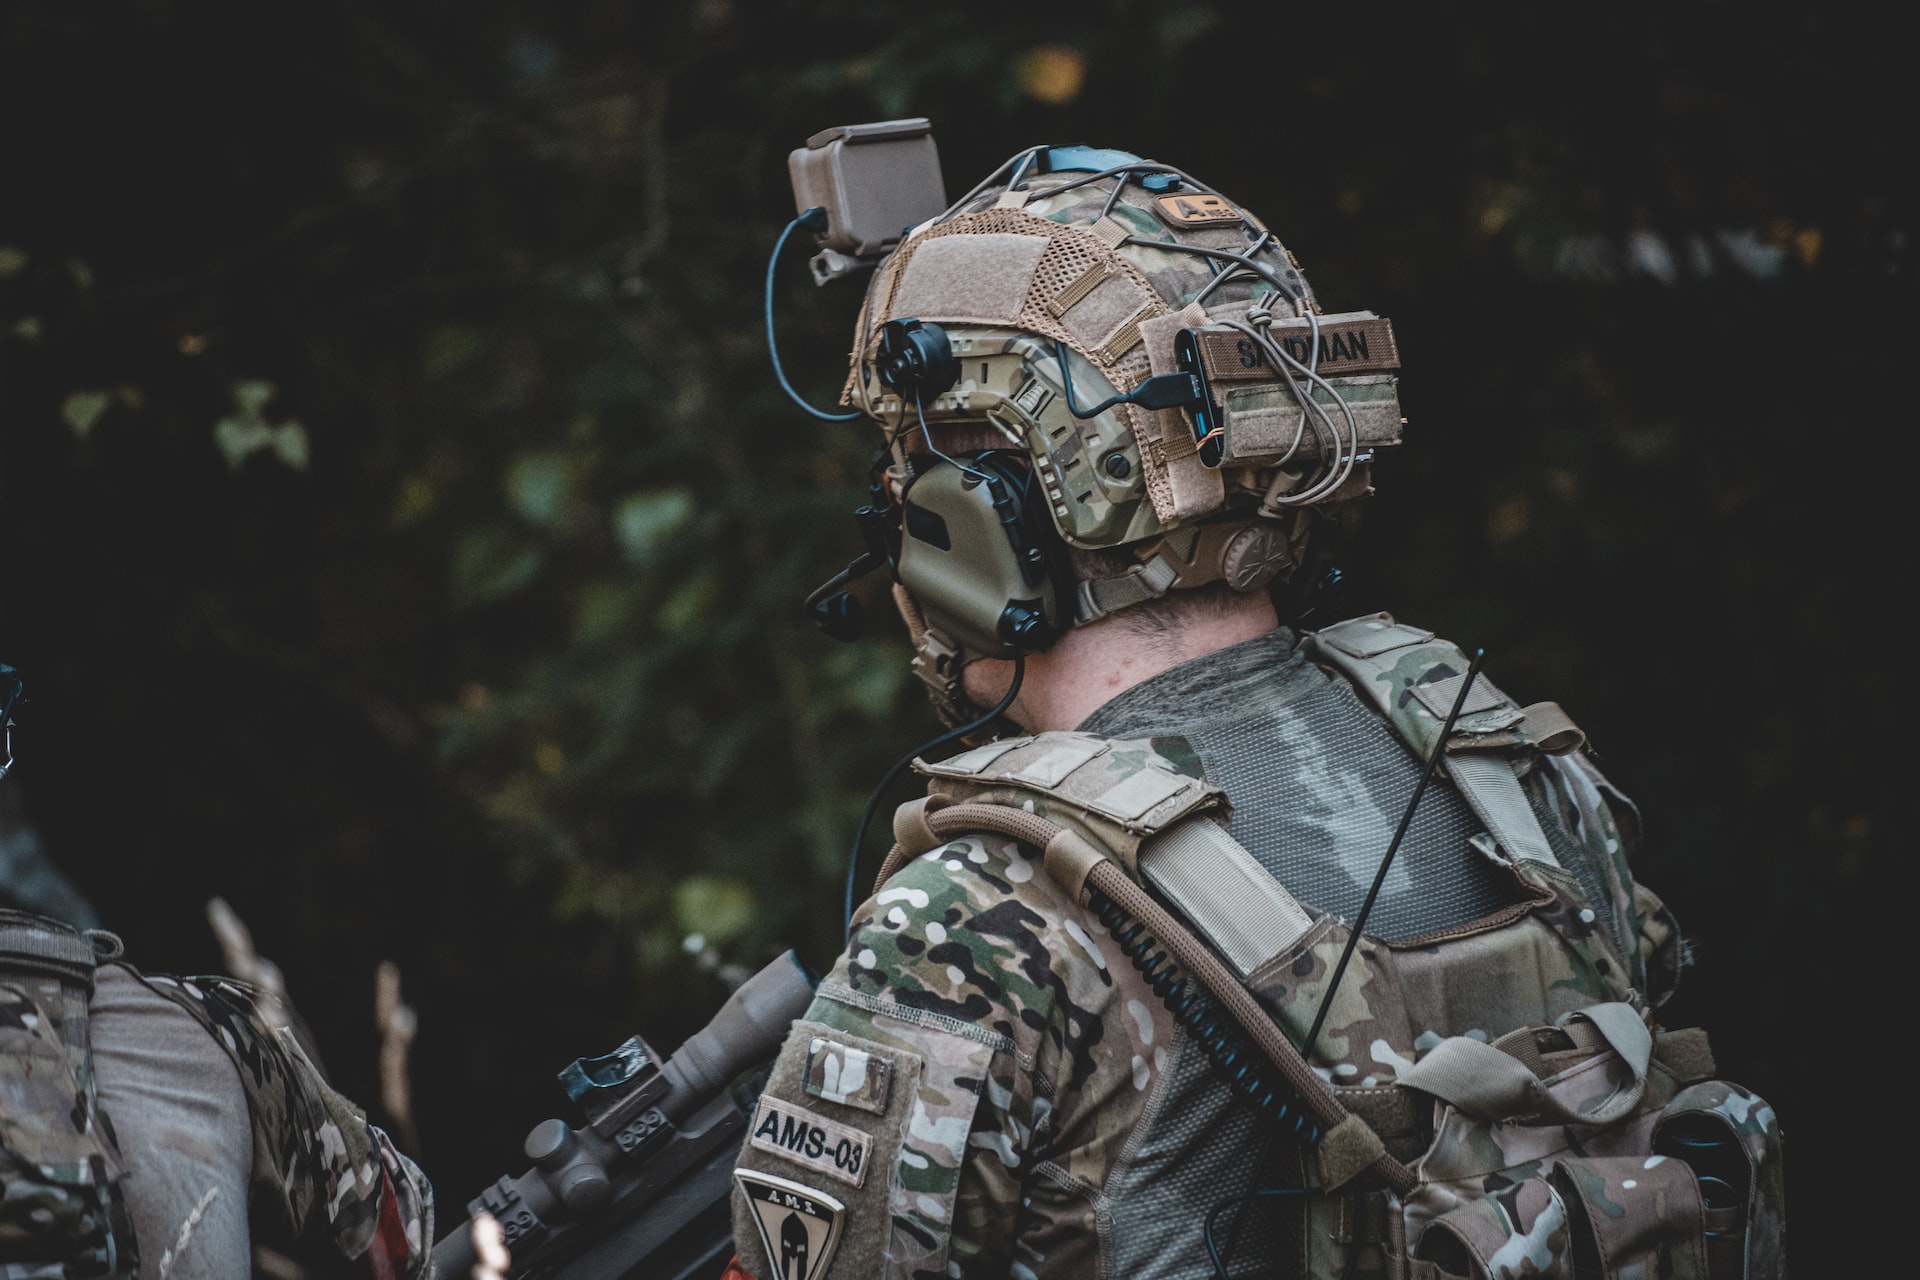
x=981 y=557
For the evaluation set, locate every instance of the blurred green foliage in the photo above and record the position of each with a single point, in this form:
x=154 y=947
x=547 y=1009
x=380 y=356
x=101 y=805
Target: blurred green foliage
x=405 y=532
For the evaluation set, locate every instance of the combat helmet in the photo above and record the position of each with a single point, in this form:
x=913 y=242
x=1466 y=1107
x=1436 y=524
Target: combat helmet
x=1145 y=356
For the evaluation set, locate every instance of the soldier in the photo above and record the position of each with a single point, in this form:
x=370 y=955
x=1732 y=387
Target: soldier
x=1185 y=969
x=141 y=1116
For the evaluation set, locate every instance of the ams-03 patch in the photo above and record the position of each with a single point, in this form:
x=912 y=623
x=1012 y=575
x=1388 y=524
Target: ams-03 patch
x=810 y=1139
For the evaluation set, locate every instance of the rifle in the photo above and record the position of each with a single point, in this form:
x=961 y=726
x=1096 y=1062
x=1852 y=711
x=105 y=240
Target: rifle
x=643 y=1188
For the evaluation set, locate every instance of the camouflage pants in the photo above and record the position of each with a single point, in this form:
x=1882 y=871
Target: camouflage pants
x=180 y=1113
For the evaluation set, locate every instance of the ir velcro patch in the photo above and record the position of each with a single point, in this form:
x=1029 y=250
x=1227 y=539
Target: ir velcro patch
x=1195 y=209
x=848 y=1075
x=794 y=1133
x=799 y=1226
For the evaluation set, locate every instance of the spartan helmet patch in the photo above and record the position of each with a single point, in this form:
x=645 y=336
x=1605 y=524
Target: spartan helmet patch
x=799 y=1226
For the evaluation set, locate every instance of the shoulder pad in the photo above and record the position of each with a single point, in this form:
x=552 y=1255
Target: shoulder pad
x=1118 y=791
x=1412 y=678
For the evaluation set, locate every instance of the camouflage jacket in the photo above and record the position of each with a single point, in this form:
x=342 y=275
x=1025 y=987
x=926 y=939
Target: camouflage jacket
x=332 y=1178
x=985 y=1086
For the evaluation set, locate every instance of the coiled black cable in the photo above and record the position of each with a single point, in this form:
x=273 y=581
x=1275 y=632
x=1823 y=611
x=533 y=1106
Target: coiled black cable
x=1206 y=1025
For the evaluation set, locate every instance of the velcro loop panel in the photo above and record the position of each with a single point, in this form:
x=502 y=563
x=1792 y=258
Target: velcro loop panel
x=1347 y=1150
x=1228 y=896
x=1096 y=315
x=1399 y=1115
x=1371 y=636
x=1063 y=755
x=1136 y=794
x=1263 y=434
x=969 y=763
x=1069 y=858
x=1264 y=423
x=982 y=278
x=1686 y=1053
x=1437 y=695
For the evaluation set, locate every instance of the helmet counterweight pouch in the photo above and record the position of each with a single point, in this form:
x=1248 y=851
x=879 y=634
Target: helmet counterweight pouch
x=976 y=559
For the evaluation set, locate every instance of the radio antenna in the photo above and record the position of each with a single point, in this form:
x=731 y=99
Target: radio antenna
x=1393 y=847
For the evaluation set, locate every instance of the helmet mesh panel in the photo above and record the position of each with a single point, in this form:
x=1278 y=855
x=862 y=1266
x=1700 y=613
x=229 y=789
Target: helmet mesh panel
x=1070 y=250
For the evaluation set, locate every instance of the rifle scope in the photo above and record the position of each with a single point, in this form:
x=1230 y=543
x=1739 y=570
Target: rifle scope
x=642 y=1189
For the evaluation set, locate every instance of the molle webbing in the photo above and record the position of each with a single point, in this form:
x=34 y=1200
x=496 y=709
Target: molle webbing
x=1119 y=792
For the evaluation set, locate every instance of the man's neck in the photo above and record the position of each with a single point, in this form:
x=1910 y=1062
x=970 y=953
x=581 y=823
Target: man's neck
x=1090 y=665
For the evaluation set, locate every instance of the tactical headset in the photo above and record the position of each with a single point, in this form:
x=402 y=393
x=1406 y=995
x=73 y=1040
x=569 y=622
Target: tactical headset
x=970 y=538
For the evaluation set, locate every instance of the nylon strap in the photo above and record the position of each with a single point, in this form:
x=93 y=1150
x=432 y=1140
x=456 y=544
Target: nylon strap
x=1228 y=896
x=1491 y=790
x=1492 y=1084
x=1098 y=597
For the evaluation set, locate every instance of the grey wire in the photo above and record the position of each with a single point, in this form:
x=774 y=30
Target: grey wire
x=1259 y=269
x=1228 y=271
x=1338 y=464
x=1308 y=408
x=1142 y=166
x=927 y=434
x=1021 y=158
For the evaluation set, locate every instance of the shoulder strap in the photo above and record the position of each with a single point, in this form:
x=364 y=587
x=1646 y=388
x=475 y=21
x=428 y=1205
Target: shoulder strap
x=1134 y=804
x=1412 y=679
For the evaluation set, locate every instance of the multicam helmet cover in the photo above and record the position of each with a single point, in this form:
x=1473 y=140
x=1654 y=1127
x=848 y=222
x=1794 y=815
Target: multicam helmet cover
x=1072 y=276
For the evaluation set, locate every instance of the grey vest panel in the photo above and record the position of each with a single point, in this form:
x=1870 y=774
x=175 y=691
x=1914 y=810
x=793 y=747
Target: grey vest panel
x=1318 y=785
x=1199 y=1146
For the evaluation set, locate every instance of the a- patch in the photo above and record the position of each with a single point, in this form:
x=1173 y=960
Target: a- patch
x=799 y=1226
x=1195 y=209
x=848 y=1075
x=808 y=1138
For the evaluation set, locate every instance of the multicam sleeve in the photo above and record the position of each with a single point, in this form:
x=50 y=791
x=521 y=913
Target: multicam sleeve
x=906 y=1103
x=339 y=1183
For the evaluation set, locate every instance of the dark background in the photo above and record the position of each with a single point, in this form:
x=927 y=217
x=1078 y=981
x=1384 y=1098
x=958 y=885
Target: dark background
x=401 y=532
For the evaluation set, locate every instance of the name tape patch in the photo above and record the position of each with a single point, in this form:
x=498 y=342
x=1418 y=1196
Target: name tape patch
x=806 y=1138
x=1364 y=346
